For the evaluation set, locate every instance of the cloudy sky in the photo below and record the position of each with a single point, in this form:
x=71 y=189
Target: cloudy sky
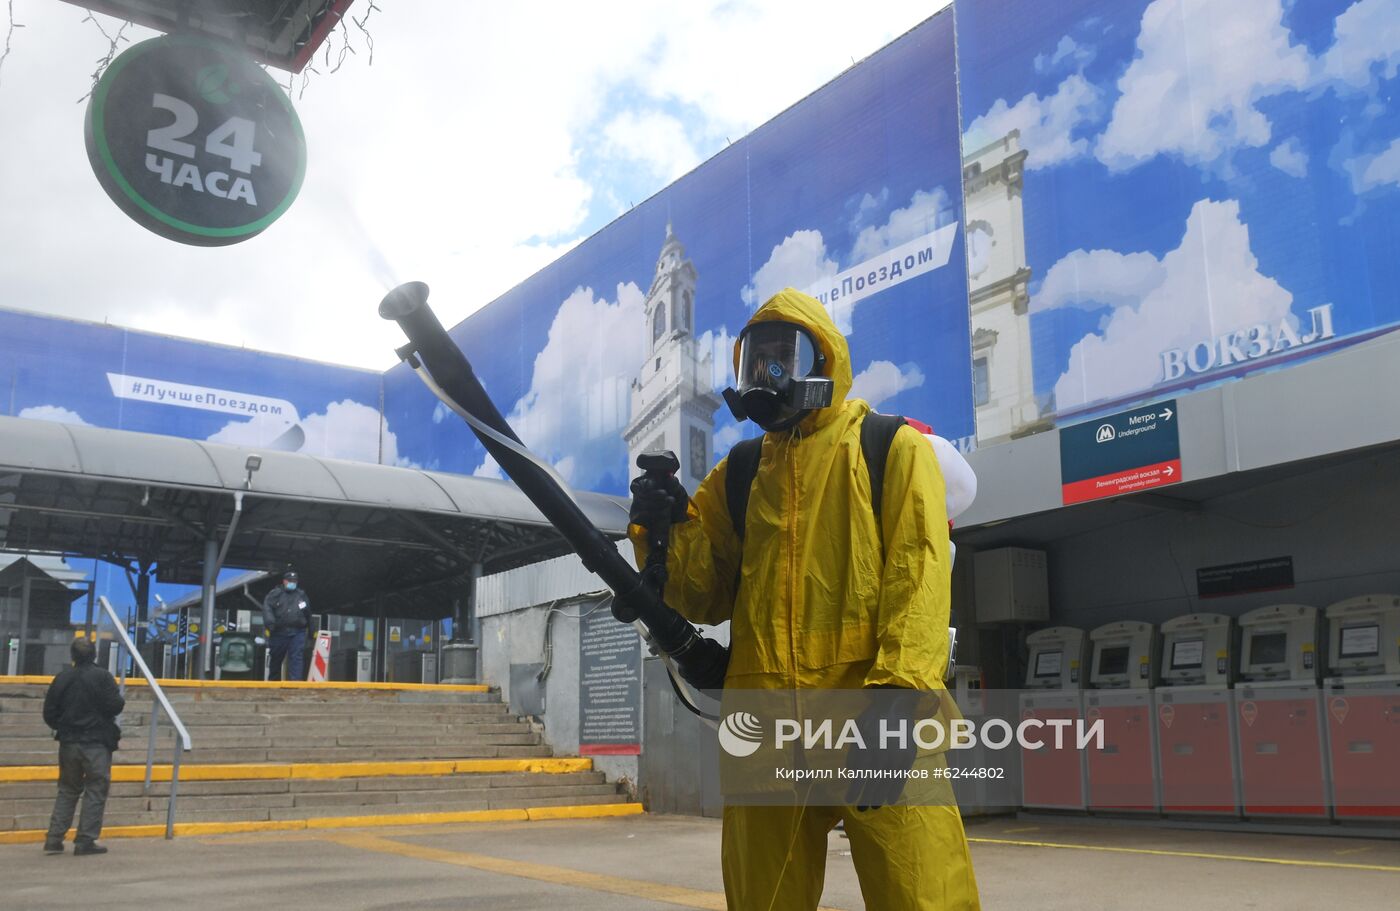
x=479 y=145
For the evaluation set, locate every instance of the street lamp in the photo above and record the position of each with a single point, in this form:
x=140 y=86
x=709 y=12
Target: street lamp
x=253 y=464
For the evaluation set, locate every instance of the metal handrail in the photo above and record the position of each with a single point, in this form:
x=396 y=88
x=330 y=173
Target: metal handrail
x=158 y=701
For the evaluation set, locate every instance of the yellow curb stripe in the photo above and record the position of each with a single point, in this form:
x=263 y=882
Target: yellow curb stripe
x=281 y=685
x=372 y=769
x=319 y=770
x=591 y=811
x=417 y=819
x=1155 y=852
x=550 y=765
x=585 y=812
x=559 y=876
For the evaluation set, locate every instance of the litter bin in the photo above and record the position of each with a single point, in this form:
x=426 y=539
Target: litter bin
x=236 y=657
x=458 y=663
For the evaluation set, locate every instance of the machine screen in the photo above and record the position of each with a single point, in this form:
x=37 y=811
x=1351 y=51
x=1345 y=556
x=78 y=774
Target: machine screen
x=1187 y=654
x=1268 y=648
x=1113 y=660
x=1047 y=664
x=1361 y=641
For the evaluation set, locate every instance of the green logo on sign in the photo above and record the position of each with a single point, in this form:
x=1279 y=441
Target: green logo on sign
x=211 y=83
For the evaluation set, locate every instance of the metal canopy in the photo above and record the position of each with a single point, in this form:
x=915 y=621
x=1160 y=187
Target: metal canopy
x=280 y=33
x=363 y=537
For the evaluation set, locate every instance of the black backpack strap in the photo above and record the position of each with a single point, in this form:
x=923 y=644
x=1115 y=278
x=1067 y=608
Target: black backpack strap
x=876 y=436
x=738 y=480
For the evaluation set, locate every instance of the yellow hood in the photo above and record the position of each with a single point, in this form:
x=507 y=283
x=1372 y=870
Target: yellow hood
x=792 y=306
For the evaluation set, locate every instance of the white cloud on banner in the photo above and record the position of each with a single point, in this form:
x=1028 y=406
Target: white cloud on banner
x=1090 y=279
x=868 y=206
x=345 y=430
x=1371 y=171
x=1046 y=123
x=883 y=380
x=55 y=413
x=1209 y=285
x=803 y=261
x=925 y=212
x=489 y=468
x=349 y=430
x=1290 y=157
x=726 y=437
x=652 y=139
x=579 y=398
x=719 y=345
x=1201 y=68
x=1078 y=55
x=800 y=261
x=1368 y=32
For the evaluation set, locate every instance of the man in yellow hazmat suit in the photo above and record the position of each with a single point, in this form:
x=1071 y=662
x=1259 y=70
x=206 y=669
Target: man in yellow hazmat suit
x=820 y=598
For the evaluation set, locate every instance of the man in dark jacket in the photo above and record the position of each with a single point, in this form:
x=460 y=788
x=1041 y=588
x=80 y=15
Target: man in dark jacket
x=82 y=706
x=287 y=614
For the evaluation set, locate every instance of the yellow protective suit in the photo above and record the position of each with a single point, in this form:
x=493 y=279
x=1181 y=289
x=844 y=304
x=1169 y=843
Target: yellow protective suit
x=822 y=603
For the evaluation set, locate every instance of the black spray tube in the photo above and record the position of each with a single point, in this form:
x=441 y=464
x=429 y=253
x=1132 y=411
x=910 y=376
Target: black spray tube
x=701 y=661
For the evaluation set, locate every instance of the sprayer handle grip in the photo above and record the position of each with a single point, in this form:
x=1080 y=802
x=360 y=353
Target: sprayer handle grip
x=659 y=462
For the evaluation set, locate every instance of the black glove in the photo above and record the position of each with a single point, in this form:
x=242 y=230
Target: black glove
x=895 y=707
x=654 y=499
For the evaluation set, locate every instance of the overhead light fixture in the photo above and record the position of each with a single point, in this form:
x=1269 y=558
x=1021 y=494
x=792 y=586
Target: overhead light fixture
x=253 y=464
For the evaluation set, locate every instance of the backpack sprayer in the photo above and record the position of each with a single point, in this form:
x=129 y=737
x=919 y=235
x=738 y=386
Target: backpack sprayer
x=444 y=369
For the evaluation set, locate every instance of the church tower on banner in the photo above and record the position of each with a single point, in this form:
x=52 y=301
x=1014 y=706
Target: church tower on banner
x=1003 y=382
x=673 y=400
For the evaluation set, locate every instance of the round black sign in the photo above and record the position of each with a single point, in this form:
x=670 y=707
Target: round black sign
x=194 y=141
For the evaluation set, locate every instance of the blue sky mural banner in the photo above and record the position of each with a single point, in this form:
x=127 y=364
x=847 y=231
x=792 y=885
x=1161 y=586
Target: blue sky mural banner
x=1106 y=202
x=1166 y=194
x=625 y=343
x=87 y=373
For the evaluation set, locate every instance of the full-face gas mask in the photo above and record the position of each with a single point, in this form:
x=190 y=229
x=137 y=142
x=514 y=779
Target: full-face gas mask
x=780 y=381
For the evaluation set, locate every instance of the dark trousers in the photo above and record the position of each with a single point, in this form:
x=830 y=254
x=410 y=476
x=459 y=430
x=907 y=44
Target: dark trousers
x=288 y=643
x=84 y=770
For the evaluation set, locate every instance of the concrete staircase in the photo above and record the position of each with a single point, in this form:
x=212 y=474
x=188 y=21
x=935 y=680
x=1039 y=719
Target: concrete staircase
x=284 y=754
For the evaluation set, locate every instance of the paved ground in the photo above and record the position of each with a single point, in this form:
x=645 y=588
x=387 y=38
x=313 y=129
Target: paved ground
x=668 y=862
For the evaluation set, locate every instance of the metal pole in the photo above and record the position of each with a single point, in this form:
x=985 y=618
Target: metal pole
x=24 y=617
x=473 y=618
x=143 y=602
x=174 y=786
x=151 y=743
x=214 y=555
x=206 y=624
x=91 y=602
x=381 y=642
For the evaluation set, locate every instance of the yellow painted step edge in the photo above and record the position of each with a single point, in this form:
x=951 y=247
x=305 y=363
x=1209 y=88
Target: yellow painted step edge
x=282 y=685
x=527 y=814
x=550 y=765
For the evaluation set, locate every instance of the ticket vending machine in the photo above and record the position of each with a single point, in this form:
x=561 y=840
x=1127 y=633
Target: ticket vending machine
x=1362 y=701
x=978 y=796
x=1053 y=779
x=1195 y=717
x=1123 y=773
x=1279 y=710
